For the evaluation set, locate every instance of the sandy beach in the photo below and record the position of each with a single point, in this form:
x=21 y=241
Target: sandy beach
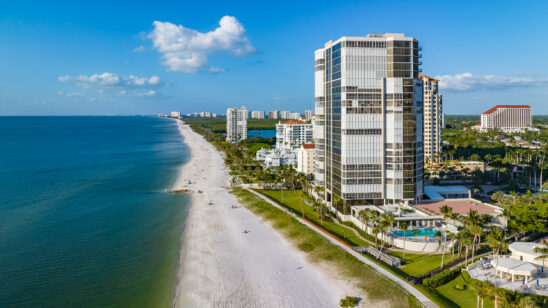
x=223 y=267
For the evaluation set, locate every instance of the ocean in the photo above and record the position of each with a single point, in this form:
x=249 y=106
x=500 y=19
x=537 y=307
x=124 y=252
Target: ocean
x=85 y=216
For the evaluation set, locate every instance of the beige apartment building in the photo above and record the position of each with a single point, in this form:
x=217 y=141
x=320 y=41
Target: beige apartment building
x=305 y=159
x=433 y=118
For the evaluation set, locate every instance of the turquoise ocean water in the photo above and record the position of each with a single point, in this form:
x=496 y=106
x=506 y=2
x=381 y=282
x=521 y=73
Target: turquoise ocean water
x=85 y=220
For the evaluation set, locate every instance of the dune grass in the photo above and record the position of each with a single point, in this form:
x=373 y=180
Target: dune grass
x=376 y=287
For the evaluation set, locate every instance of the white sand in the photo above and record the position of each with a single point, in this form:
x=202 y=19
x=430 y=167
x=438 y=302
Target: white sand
x=222 y=267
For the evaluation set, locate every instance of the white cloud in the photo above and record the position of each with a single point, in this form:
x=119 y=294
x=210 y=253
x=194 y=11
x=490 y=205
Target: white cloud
x=110 y=79
x=186 y=50
x=139 y=49
x=216 y=70
x=281 y=98
x=469 y=82
x=71 y=94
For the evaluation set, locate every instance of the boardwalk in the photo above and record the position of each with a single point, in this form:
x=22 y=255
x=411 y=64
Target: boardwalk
x=409 y=288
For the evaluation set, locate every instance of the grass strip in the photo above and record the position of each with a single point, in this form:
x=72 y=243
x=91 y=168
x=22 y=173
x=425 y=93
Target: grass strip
x=320 y=250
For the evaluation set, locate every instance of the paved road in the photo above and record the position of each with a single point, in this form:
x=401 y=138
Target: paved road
x=425 y=301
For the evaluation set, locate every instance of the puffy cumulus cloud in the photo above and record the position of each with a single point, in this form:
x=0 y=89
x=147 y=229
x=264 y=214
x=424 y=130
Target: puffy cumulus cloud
x=469 y=82
x=186 y=50
x=110 y=79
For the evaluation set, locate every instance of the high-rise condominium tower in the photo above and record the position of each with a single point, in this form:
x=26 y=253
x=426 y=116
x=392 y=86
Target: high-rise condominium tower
x=433 y=117
x=368 y=126
x=236 y=124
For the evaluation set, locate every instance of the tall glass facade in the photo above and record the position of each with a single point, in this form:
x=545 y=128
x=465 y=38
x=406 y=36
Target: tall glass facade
x=368 y=127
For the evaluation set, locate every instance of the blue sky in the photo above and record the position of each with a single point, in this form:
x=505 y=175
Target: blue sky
x=110 y=57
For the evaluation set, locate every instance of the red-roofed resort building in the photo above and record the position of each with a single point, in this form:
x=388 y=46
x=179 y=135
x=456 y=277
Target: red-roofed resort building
x=508 y=118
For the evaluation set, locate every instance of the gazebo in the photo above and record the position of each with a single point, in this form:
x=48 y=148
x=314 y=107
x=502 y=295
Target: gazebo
x=514 y=267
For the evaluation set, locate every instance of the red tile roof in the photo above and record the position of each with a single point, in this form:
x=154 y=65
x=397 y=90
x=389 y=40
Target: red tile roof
x=505 y=106
x=425 y=76
x=291 y=122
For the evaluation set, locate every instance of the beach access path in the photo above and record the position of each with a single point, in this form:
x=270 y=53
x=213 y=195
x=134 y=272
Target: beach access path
x=404 y=284
x=221 y=266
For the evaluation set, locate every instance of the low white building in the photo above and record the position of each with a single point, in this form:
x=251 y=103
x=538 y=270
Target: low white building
x=277 y=157
x=305 y=158
x=291 y=134
x=440 y=193
x=525 y=251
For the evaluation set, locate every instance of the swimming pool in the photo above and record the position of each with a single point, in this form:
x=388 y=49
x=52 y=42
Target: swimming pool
x=421 y=232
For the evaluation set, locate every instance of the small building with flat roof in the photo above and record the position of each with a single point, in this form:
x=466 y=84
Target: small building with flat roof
x=525 y=251
x=440 y=193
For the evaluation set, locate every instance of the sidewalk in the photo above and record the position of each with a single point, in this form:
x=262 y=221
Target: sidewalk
x=421 y=297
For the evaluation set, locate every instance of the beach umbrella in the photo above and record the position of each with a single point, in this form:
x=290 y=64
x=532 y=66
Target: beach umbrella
x=523 y=281
x=482 y=262
x=538 y=282
x=542 y=268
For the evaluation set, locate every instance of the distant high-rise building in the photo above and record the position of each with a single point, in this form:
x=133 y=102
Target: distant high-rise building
x=214 y=115
x=507 y=118
x=236 y=124
x=274 y=114
x=202 y=114
x=433 y=117
x=368 y=122
x=175 y=114
x=257 y=114
x=293 y=133
x=308 y=114
x=305 y=158
x=207 y=114
x=285 y=114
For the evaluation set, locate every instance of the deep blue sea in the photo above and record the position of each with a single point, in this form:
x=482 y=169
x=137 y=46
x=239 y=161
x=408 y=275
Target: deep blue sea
x=85 y=219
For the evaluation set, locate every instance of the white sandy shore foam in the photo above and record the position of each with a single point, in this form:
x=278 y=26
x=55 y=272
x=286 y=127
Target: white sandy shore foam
x=223 y=267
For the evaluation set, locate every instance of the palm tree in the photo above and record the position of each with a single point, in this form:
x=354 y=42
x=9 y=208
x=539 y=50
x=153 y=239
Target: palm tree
x=481 y=290
x=455 y=217
x=336 y=200
x=542 y=165
x=446 y=211
x=496 y=241
x=453 y=237
x=366 y=217
x=440 y=237
x=404 y=227
x=476 y=232
x=465 y=241
x=375 y=232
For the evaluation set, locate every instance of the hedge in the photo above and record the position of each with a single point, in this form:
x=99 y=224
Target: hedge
x=441 y=278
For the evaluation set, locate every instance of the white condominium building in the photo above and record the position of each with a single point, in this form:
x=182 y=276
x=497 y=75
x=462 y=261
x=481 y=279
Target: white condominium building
x=285 y=114
x=368 y=122
x=305 y=159
x=175 y=114
x=257 y=114
x=236 y=124
x=433 y=117
x=308 y=114
x=508 y=118
x=293 y=133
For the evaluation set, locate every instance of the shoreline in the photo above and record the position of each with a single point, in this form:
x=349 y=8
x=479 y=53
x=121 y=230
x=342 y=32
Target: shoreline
x=221 y=266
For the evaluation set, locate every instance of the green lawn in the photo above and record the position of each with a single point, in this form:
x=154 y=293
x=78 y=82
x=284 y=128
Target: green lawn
x=416 y=265
x=377 y=287
x=466 y=298
x=292 y=200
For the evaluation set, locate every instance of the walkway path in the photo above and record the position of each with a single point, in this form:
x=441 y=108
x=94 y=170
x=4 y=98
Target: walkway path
x=409 y=288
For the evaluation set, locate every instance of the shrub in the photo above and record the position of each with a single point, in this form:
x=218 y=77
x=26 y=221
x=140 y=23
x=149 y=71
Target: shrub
x=460 y=286
x=349 y=301
x=441 y=278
